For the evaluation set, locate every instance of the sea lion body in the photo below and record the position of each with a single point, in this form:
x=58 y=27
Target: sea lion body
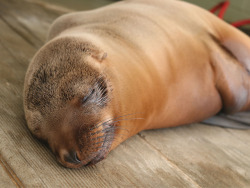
x=152 y=64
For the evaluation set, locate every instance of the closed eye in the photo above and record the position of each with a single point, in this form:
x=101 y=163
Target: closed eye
x=98 y=95
x=88 y=97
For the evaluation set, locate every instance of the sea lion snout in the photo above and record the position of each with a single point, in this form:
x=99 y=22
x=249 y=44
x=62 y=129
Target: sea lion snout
x=80 y=140
x=72 y=158
x=69 y=159
x=80 y=147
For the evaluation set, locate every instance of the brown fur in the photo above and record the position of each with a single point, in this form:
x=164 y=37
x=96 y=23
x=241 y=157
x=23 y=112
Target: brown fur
x=104 y=75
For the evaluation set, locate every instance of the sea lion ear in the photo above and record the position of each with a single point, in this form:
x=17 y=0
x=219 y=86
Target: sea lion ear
x=100 y=56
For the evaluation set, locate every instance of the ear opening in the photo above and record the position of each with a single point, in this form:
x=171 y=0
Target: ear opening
x=99 y=56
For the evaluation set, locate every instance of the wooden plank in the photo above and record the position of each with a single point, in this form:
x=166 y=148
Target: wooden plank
x=211 y=156
x=30 y=21
x=14 y=52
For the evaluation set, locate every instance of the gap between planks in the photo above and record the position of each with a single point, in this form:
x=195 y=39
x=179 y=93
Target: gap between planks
x=10 y=172
x=51 y=6
x=17 y=32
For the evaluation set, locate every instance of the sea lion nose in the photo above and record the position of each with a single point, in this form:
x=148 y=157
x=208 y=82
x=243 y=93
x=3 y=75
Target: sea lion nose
x=72 y=158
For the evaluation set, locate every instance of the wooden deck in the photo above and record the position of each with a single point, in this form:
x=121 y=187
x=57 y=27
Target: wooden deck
x=190 y=156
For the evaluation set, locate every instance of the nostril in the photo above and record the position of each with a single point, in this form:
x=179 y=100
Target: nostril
x=71 y=157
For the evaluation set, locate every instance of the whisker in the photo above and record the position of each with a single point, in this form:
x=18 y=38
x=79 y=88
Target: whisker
x=111 y=120
x=128 y=119
x=103 y=141
x=96 y=138
x=105 y=130
x=100 y=123
x=115 y=128
x=100 y=147
x=110 y=135
x=121 y=128
x=125 y=115
x=117 y=135
x=100 y=137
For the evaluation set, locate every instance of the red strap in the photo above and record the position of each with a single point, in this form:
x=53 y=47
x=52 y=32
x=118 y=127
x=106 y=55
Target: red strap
x=241 y=23
x=222 y=7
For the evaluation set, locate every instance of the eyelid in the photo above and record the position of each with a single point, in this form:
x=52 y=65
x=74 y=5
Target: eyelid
x=87 y=97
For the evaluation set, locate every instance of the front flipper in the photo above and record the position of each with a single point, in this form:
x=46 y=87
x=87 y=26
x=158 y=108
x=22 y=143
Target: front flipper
x=230 y=59
x=237 y=121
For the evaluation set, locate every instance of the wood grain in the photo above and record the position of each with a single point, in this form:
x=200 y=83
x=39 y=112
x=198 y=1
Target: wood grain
x=211 y=156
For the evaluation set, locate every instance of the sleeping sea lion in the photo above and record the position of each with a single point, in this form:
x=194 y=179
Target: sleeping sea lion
x=106 y=74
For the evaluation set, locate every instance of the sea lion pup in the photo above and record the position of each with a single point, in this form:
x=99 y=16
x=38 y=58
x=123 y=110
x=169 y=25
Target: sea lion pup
x=106 y=74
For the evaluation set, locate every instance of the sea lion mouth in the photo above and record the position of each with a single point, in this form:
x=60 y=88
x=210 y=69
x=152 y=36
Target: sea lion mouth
x=71 y=160
x=99 y=157
x=75 y=162
x=95 y=147
x=109 y=132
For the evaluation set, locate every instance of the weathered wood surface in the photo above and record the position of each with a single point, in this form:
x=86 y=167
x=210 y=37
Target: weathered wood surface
x=188 y=156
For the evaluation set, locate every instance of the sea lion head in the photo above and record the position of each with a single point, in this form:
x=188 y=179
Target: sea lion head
x=68 y=101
